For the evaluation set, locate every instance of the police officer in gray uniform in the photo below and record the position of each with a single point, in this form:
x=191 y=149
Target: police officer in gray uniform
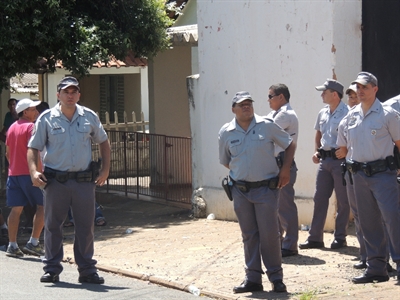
x=329 y=175
x=67 y=131
x=341 y=153
x=368 y=135
x=393 y=102
x=283 y=115
x=348 y=182
x=246 y=148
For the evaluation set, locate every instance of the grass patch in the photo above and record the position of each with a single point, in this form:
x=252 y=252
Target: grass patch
x=308 y=295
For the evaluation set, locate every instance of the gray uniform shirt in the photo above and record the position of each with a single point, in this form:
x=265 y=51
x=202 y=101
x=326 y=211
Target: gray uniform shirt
x=250 y=154
x=369 y=137
x=328 y=124
x=68 y=143
x=393 y=102
x=285 y=117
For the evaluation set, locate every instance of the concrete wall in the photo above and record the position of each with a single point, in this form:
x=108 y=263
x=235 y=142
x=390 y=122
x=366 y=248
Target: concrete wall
x=250 y=45
x=169 y=113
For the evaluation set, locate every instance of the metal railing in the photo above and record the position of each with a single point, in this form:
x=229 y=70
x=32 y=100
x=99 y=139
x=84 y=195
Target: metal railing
x=149 y=164
x=125 y=124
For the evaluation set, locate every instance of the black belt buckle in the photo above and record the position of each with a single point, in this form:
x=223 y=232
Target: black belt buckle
x=242 y=186
x=62 y=177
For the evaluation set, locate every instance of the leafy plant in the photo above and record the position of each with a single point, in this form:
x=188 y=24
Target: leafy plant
x=35 y=34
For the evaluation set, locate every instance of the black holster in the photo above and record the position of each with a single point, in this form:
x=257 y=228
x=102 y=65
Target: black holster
x=227 y=185
x=396 y=157
x=94 y=167
x=344 y=170
x=324 y=154
x=281 y=158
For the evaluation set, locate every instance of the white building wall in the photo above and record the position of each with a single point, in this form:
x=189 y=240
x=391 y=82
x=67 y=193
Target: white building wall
x=250 y=45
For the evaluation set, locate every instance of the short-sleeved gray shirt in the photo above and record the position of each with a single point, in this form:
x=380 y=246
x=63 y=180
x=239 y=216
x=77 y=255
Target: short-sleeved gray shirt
x=68 y=143
x=250 y=154
x=285 y=117
x=328 y=124
x=370 y=137
x=393 y=102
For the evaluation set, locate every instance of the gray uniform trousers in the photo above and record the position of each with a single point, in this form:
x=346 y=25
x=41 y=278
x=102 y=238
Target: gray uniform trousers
x=353 y=206
x=377 y=201
x=391 y=245
x=58 y=198
x=288 y=217
x=257 y=213
x=329 y=177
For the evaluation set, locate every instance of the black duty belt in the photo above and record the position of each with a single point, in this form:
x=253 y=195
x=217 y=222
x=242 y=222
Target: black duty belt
x=324 y=153
x=371 y=168
x=64 y=176
x=245 y=186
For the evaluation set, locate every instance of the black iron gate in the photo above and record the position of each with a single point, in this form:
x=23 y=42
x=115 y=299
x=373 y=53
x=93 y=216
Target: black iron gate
x=149 y=164
x=381 y=44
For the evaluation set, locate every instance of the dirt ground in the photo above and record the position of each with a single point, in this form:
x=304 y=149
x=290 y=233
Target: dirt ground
x=150 y=239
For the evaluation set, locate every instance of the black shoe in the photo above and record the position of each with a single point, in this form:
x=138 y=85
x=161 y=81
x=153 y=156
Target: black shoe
x=278 y=286
x=360 y=265
x=337 y=244
x=287 y=252
x=92 y=278
x=248 y=286
x=50 y=277
x=365 y=278
x=389 y=268
x=311 y=244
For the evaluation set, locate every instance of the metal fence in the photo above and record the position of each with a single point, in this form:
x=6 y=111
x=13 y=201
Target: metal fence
x=149 y=164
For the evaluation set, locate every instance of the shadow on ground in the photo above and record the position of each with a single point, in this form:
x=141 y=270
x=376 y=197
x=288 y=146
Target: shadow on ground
x=122 y=214
x=128 y=216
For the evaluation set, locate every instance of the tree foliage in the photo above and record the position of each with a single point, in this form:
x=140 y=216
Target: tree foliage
x=35 y=34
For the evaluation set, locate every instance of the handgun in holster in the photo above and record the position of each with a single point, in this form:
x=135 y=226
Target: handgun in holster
x=344 y=170
x=95 y=168
x=227 y=185
x=279 y=159
x=396 y=155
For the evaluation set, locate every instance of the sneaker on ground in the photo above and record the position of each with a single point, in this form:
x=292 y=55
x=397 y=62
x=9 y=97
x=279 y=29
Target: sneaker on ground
x=14 y=252
x=33 y=250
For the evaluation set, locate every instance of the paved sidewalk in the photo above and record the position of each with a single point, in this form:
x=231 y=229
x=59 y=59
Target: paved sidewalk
x=165 y=245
